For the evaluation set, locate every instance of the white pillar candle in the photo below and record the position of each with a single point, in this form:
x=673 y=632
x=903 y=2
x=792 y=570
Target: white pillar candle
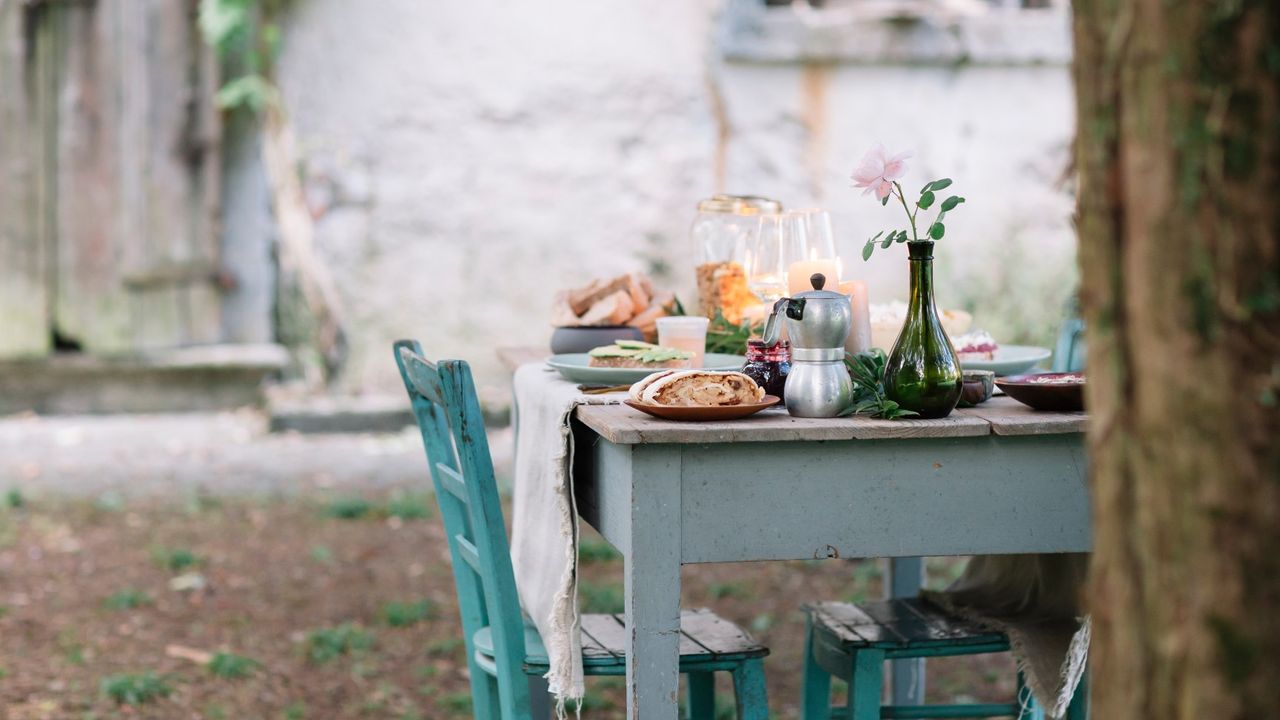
x=860 y=333
x=800 y=271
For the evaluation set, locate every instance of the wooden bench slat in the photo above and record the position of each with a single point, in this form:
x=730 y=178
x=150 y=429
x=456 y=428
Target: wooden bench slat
x=898 y=623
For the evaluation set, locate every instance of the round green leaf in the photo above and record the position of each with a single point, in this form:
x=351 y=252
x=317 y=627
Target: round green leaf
x=925 y=201
x=937 y=230
x=940 y=184
x=886 y=242
x=951 y=203
x=867 y=250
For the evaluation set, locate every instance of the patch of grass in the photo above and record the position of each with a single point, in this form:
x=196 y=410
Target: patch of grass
x=348 y=508
x=127 y=599
x=135 y=689
x=405 y=614
x=458 y=702
x=445 y=646
x=407 y=506
x=600 y=598
x=3 y=673
x=215 y=712
x=328 y=644
x=175 y=559
x=230 y=666
x=591 y=550
x=322 y=554
x=295 y=711
x=4 y=610
x=72 y=650
x=722 y=590
x=763 y=622
x=14 y=498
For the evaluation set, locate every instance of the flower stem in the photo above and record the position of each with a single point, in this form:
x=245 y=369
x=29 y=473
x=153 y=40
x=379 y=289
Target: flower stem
x=915 y=236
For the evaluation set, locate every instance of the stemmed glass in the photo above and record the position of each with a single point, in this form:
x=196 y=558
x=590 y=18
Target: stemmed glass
x=768 y=252
x=814 y=226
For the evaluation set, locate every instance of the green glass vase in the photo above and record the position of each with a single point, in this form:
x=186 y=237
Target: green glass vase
x=923 y=371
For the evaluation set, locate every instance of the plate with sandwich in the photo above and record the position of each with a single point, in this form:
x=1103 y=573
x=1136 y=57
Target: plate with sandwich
x=699 y=395
x=629 y=361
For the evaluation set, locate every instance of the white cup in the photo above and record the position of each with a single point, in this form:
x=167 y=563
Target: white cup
x=684 y=332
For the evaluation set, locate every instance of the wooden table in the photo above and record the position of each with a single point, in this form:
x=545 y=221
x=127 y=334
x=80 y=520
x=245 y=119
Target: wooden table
x=995 y=479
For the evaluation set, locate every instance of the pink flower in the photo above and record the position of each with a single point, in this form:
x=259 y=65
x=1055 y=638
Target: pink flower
x=878 y=170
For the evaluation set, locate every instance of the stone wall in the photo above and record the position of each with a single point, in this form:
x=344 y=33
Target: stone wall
x=467 y=160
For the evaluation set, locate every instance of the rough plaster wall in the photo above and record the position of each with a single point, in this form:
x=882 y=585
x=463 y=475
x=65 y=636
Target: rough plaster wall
x=470 y=159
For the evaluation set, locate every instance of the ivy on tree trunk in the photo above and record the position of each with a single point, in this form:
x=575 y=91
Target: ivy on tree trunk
x=1179 y=223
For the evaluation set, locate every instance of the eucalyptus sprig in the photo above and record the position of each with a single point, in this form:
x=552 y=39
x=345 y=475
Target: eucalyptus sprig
x=879 y=173
x=866 y=369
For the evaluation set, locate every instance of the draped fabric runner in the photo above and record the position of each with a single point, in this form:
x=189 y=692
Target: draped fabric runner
x=544 y=535
x=1035 y=600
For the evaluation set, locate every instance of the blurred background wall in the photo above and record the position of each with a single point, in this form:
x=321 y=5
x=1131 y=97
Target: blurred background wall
x=471 y=159
x=463 y=161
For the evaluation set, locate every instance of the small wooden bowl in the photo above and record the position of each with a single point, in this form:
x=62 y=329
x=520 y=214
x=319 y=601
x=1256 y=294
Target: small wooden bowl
x=1041 y=395
x=704 y=413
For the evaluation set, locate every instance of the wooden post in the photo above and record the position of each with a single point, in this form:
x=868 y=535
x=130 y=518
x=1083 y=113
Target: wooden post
x=24 y=261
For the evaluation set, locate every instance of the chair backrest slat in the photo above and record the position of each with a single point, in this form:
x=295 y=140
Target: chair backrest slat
x=453 y=481
x=444 y=401
x=468 y=552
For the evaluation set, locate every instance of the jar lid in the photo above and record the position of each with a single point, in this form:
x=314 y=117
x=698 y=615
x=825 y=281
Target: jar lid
x=740 y=205
x=819 y=281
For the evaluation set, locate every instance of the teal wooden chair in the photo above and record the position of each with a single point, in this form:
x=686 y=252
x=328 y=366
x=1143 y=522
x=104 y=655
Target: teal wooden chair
x=1069 y=354
x=852 y=642
x=503 y=650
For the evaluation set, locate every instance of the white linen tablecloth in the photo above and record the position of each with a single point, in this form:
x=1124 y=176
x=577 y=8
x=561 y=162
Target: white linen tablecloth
x=544 y=532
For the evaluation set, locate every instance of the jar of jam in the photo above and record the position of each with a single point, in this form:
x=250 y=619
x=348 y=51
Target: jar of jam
x=768 y=365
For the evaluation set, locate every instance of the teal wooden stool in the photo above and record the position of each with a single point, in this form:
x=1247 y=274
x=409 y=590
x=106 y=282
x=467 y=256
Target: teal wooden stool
x=852 y=642
x=503 y=650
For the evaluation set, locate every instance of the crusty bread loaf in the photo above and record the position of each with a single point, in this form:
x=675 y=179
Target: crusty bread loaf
x=614 y=309
x=697 y=388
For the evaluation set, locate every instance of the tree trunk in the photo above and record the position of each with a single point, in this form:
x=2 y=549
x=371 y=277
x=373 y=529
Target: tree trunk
x=1179 y=221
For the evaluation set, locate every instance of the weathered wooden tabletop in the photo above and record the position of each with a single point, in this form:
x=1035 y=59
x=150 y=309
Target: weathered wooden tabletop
x=999 y=416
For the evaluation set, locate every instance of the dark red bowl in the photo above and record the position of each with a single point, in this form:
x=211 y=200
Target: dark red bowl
x=1043 y=395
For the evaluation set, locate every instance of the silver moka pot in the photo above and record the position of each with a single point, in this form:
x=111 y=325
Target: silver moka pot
x=818 y=323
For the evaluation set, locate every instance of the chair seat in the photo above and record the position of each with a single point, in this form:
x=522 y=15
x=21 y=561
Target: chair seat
x=707 y=642
x=905 y=627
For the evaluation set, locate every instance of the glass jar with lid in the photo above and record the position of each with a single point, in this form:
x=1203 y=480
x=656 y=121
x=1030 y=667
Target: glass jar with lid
x=720 y=234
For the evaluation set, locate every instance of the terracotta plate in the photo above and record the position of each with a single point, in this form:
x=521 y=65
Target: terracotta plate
x=1045 y=395
x=704 y=413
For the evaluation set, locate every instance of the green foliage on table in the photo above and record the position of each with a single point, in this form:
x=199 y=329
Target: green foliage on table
x=127 y=599
x=867 y=371
x=728 y=338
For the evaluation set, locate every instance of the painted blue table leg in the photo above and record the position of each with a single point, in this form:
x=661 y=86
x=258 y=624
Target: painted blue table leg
x=652 y=584
x=906 y=576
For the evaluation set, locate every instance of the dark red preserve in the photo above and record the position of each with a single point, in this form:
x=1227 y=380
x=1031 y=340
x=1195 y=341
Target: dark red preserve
x=768 y=366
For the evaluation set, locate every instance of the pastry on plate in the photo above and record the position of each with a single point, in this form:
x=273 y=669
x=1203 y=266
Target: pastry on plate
x=697 y=388
x=977 y=345
x=637 y=354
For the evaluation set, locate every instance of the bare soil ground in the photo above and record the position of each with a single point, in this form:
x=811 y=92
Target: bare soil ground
x=343 y=607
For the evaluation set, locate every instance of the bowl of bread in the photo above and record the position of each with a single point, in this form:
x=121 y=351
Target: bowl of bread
x=699 y=395
x=625 y=306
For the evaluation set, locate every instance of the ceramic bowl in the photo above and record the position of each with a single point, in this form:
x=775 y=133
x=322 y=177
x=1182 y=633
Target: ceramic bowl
x=978 y=387
x=566 y=340
x=1035 y=391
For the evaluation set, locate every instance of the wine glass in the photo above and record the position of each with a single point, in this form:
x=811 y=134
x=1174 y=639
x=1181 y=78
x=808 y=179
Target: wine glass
x=767 y=253
x=814 y=226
